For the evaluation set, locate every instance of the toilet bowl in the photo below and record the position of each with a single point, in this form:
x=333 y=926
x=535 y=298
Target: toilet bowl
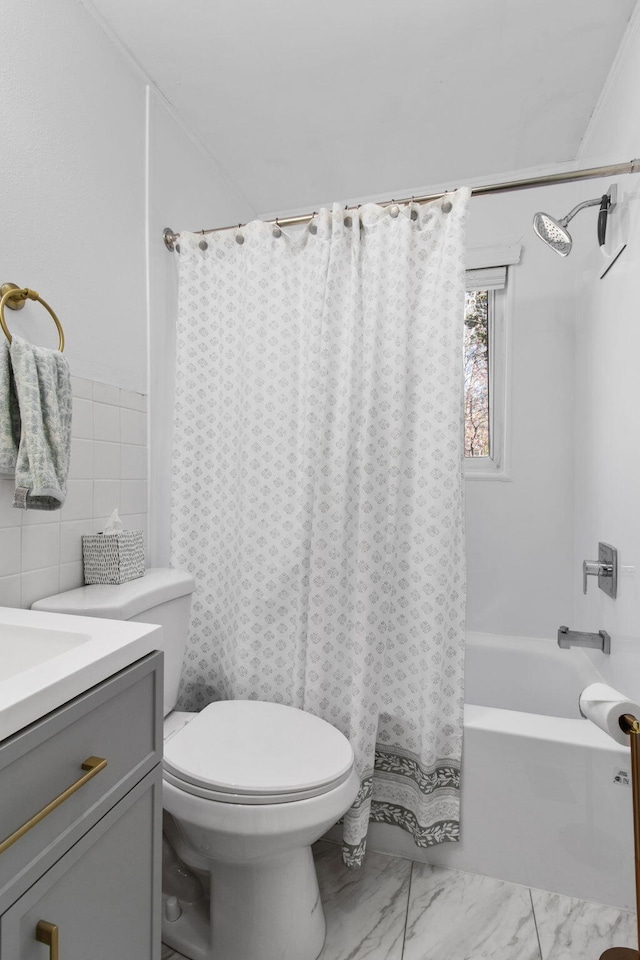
x=248 y=786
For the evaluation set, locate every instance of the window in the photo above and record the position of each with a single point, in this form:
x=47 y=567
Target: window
x=485 y=345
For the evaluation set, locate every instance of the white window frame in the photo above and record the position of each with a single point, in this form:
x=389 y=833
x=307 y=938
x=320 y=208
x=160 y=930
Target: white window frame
x=495 y=279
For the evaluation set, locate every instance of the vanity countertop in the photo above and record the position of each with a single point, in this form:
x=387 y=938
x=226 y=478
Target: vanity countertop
x=47 y=659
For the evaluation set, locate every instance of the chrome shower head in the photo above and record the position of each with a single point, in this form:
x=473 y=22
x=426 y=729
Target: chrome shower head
x=554 y=233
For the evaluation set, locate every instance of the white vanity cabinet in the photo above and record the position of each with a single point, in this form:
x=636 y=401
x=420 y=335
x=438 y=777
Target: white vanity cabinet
x=83 y=882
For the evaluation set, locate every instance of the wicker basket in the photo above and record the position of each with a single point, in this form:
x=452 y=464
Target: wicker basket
x=114 y=557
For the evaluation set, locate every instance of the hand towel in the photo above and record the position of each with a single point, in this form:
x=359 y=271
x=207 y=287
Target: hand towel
x=9 y=415
x=43 y=388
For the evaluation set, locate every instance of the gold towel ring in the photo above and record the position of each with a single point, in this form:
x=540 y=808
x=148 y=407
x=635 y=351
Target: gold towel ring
x=22 y=293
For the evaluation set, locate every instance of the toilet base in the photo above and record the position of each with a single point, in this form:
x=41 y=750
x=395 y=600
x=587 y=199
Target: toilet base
x=259 y=910
x=267 y=910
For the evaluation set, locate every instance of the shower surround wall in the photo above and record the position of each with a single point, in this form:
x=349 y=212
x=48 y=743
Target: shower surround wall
x=520 y=532
x=607 y=405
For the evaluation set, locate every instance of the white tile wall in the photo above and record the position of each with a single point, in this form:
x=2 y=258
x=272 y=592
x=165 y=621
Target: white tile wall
x=41 y=551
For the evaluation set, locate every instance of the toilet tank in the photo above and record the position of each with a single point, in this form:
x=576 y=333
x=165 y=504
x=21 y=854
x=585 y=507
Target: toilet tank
x=161 y=596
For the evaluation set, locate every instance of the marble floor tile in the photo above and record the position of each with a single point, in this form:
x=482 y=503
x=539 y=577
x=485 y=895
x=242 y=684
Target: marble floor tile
x=365 y=909
x=461 y=916
x=451 y=915
x=575 y=929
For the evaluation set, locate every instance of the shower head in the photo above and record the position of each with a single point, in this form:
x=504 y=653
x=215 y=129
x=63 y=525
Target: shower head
x=554 y=232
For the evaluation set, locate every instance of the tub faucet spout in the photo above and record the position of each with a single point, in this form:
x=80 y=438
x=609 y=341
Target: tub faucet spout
x=574 y=638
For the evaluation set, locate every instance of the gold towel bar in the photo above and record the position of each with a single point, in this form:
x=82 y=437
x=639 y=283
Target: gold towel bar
x=10 y=292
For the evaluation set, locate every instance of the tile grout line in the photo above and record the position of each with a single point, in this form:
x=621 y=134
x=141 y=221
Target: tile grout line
x=406 y=915
x=535 y=923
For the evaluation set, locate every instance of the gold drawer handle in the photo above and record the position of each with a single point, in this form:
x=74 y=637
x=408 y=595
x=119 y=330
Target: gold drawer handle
x=47 y=933
x=92 y=764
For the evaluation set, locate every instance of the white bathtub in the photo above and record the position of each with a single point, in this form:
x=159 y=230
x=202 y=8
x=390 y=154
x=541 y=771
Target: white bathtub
x=540 y=805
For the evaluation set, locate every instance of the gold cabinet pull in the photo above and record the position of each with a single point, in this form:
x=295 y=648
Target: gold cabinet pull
x=47 y=933
x=92 y=765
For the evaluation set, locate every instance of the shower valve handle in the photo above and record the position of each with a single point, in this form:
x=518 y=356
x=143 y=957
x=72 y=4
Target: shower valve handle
x=594 y=568
x=605 y=568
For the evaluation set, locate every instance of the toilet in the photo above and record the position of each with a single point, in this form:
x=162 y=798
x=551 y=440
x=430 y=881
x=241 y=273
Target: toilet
x=248 y=786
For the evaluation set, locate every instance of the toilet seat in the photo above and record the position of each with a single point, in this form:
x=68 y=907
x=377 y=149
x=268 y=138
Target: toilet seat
x=255 y=752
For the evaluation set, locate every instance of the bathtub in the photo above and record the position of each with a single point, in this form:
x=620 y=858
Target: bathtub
x=544 y=802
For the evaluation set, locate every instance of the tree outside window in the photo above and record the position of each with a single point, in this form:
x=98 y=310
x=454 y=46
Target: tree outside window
x=476 y=374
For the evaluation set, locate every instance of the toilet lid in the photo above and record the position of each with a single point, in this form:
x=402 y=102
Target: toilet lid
x=253 y=751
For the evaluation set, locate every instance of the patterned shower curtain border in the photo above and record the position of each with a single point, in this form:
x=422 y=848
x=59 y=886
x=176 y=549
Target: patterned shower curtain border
x=440 y=780
x=401 y=764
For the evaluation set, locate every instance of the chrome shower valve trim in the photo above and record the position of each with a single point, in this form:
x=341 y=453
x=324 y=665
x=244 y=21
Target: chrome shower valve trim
x=605 y=568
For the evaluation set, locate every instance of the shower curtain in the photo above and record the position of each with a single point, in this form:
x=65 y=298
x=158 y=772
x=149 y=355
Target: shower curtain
x=317 y=489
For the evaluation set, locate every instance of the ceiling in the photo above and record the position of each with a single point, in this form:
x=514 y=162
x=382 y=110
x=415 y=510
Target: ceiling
x=302 y=102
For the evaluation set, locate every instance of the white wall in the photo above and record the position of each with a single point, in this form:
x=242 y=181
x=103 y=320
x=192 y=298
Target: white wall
x=72 y=168
x=93 y=166
x=607 y=401
x=72 y=174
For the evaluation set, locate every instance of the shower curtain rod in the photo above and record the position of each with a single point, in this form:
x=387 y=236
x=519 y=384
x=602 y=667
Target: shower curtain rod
x=613 y=170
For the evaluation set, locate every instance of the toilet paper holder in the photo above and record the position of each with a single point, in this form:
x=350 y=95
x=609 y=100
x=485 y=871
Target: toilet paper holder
x=617 y=716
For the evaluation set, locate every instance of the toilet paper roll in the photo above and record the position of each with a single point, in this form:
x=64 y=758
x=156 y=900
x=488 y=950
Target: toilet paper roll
x=604 y=706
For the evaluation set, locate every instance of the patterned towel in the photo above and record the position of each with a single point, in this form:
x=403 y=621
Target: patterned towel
x=43 y=388
x=9 y=415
